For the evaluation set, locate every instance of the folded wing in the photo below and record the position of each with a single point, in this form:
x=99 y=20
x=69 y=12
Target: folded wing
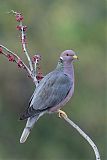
x=52 y=89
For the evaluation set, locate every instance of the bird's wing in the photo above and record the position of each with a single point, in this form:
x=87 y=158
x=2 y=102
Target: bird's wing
x=52 y=89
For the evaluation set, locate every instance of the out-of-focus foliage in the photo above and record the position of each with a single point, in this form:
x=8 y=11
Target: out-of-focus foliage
x=53 y=26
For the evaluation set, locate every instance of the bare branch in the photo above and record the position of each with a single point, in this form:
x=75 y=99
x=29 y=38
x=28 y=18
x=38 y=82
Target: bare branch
x=23 y=40
x=16 y=59
x=23 y=29
x=84 y=135
x=34 y=70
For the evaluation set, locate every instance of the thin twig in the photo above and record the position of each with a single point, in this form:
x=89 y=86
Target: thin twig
x=12 y=11
x=19 y=19
x=18 y=58
x=88 y=139
x=24 y=46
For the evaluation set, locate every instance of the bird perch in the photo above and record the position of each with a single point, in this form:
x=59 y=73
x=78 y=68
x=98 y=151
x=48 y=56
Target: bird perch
x=84 y=135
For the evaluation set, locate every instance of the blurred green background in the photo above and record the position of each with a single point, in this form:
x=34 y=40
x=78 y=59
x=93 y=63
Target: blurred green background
x=54 y=26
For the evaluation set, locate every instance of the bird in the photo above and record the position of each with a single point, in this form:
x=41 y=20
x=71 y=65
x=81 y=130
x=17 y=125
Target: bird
x=52 y=92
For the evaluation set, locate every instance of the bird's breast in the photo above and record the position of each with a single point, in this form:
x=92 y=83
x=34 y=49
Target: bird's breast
x=61 y=104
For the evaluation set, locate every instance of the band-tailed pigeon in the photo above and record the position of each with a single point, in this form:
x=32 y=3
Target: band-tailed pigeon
x=53 y=92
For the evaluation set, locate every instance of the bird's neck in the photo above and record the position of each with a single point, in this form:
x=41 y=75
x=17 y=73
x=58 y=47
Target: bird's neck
x=66 y=67
x=69 y=70
x=60 y=65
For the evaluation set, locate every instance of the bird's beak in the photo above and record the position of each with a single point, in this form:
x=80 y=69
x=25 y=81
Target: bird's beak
x=75 y=57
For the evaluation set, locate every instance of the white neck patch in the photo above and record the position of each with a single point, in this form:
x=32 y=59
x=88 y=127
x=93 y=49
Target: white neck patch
x=61 y=58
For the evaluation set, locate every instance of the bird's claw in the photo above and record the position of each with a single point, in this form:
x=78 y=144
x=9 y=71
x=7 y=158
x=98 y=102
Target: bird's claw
x=61 y=114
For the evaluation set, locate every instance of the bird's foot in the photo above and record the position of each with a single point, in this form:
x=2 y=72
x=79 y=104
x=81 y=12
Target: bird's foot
x=62 y=114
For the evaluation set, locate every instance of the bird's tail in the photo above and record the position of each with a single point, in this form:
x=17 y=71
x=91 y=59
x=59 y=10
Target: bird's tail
x=29 y=125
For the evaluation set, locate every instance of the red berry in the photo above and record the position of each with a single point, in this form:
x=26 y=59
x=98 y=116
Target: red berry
x=18 y=27
x=25 y=28
x=19 y=17
x=36 y=57
x=19 y=63
x=1 y=49
x=39 y=74
x=39 y=77
x=11 y=58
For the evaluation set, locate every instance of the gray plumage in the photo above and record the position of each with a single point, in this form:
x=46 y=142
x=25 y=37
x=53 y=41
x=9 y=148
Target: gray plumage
x=53 y=91
x=47 y=94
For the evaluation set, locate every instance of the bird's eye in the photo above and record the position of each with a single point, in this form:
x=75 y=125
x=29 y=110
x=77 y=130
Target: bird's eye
x=67 y=54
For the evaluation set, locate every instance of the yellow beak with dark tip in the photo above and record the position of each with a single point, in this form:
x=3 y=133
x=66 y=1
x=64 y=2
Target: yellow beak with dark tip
x=75 y=57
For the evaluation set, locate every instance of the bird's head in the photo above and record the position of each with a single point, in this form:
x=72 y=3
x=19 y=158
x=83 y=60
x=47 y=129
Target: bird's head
x=68 y=56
